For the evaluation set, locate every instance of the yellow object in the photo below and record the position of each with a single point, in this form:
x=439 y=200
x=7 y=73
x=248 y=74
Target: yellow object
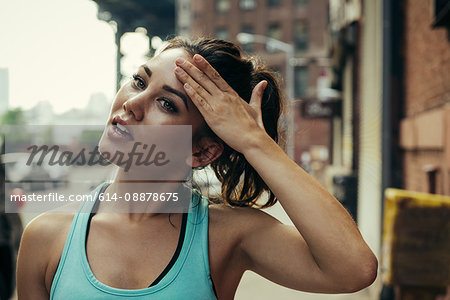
x=416 y=239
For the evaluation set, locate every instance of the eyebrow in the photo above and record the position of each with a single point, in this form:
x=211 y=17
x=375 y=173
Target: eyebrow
x=147 y=70
x=168 y=88
x=178 y=93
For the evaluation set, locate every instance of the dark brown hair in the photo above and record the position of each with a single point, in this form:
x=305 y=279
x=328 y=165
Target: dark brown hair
x=242 y=74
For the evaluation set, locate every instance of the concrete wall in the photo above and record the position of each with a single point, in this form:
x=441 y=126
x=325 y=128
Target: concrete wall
x=370 y=95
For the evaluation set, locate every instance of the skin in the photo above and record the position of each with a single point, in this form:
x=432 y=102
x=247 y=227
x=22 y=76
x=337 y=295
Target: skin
x=324 y=252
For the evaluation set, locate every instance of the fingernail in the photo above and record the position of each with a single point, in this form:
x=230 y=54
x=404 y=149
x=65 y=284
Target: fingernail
x=187 y=86
x=180 y=61
x=197 y=58
x=178 y=70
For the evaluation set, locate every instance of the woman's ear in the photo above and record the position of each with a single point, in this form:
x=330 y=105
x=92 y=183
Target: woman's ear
x=206 y=151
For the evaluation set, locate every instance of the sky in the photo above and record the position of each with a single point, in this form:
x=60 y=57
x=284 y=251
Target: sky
x=56 y=51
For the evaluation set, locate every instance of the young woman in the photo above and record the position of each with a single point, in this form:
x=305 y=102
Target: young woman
x=233 y=105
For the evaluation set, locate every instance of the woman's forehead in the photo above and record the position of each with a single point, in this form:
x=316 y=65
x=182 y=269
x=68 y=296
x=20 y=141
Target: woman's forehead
x=164 y=62
x=169 y=56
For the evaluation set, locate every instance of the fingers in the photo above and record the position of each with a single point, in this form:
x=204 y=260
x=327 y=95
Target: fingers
x=213 y=75
x=199 y=101
x=257 y=94
x=256 y=99
x=198 y=76
x=185 y=78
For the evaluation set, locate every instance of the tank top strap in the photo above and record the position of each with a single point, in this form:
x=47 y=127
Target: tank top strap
x=202 y=219
x=199 y=254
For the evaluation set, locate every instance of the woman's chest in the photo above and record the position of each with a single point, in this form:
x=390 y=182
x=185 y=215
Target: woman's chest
x=130 y=260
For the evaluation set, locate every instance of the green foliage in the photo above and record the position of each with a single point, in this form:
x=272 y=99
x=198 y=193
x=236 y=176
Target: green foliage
x=13 y=117
x=15 y=139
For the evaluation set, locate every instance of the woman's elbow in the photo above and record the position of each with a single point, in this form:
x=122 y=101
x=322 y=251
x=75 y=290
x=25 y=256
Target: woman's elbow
x=364 y=276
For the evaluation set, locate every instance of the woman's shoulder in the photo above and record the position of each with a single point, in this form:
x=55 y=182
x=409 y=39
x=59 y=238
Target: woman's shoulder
x=41 y=245
x=229 y=231
x=53 y=221
x=239 y=219
x=48 y=231
x=48 y=224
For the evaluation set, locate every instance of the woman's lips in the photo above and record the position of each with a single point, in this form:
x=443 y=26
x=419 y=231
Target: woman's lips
x=119 y=132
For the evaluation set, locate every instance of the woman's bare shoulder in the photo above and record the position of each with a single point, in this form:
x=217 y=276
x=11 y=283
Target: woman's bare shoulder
x=229 y=229
x=40 y=249
x=240 y=218
x=47 y=234
x=47 y=225
x=51 y=223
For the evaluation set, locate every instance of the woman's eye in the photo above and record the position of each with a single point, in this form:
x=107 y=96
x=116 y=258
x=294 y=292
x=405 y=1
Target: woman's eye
x=167 y=105
x=138 y=81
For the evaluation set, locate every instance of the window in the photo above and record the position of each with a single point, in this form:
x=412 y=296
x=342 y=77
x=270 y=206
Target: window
x=222 y=33
x=442 y=13
x=301 y=81
x=273 y=31
x=300 y=3
x=248 y=47
x=222 y=6
x=301 y=36
x=247 y=4
x=273 y=3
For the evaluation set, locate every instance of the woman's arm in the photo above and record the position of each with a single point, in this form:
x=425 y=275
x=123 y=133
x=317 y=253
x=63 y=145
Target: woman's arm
x=32 y=262
x=325 y=251
x=40 y=249
x=330 y=247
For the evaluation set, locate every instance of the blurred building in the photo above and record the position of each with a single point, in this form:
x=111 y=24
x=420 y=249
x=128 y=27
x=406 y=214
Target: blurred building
x=390 y=60
x=94 y=113
x=301 y=23
x=424 y=114
x=4 y=91
x=183 y=17
x=40 y=114
x=154 y=18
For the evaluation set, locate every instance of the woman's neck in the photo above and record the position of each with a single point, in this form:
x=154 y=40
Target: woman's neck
x=131 y=196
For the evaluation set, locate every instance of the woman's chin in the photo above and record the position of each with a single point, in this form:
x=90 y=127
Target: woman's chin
x=104 y=145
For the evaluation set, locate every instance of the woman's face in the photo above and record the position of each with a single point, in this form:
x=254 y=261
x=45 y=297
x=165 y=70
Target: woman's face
x=153 y=96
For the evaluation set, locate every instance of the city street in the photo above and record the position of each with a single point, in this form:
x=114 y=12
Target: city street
x=253 y=284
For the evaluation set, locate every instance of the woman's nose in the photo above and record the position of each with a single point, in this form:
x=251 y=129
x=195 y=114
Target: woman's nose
x=135 y=107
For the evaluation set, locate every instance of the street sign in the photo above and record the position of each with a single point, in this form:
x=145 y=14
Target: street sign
x=314 y=108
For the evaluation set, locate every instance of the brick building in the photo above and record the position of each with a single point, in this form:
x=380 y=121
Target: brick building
x=425 y=123
x=301 y=23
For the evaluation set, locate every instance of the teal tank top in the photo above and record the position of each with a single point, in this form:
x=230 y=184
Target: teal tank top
x=187 y=278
